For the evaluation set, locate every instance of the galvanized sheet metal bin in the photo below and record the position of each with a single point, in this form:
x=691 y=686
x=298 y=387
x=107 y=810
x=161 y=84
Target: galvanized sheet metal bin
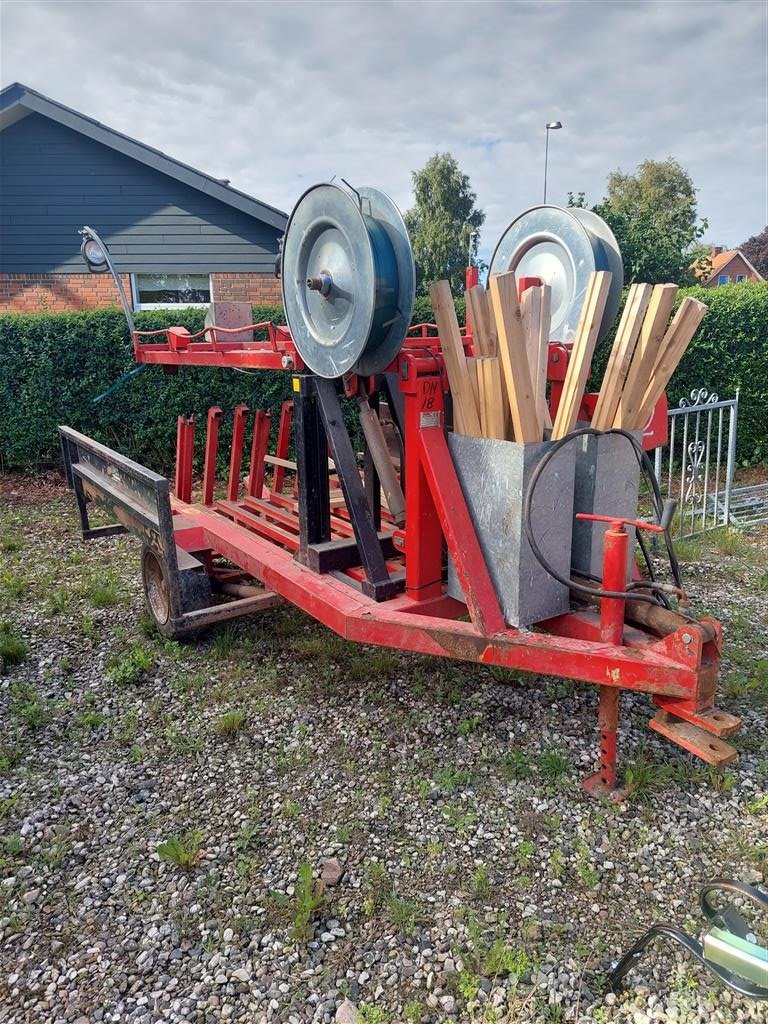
x=494 y=477
x=607 y=482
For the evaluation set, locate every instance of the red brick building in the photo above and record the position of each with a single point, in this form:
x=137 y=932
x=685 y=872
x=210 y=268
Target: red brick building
x=729 y=266
x=176 y=235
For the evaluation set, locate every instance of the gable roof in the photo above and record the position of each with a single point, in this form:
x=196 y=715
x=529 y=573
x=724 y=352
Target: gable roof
x=17 y=101
x=722 y=259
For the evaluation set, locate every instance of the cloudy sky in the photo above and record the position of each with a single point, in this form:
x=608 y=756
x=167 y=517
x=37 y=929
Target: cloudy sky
x=279 y=95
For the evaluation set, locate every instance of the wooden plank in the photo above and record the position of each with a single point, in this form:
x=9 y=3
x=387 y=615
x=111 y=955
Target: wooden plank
x=621 y=355
x=677 y=339
x=493 y=417
x=464 y=405
x=472 y=375
x=646 y=353
x=581 y=353
x=483 y=327
x=536 y=312
x=514 y=358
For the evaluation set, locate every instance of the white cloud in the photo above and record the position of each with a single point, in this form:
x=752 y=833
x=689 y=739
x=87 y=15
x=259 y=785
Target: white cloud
x=276 y=96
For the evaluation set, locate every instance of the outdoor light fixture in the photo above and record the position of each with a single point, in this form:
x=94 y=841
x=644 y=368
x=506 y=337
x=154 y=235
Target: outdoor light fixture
x=96 y=257
x=551 y=126
x=93 y=252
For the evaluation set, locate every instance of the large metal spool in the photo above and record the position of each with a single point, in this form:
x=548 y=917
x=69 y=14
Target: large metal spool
x=348 y=279
x=562 y=247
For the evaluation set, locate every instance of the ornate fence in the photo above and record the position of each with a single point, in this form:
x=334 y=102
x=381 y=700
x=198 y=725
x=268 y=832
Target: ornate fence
x=697 y=465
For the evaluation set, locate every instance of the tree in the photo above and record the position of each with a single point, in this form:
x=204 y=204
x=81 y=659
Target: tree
x=654 y=217
x=756 y=251
x=444 y=223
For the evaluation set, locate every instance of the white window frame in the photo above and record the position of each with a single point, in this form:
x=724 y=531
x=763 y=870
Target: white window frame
x=740 y=278
x=723 y=279
x=138 y=306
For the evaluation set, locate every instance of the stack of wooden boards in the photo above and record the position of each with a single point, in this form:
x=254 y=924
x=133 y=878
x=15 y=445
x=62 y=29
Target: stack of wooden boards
x=500 y=392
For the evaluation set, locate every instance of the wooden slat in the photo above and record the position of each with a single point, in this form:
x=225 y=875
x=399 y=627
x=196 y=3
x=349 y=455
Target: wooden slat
x=472 y=376
x=581 y=353
x=536 y=312
x=514 y=359
x=483 y=327
x=493 y=417
x=464 y=405
x=682 y=329
x=621 y=355
x=646 y=353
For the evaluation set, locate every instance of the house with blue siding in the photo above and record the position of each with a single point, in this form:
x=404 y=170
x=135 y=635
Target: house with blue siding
x=176 y=234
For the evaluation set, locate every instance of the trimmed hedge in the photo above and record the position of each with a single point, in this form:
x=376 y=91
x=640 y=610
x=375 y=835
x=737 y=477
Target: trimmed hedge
x=52 y=366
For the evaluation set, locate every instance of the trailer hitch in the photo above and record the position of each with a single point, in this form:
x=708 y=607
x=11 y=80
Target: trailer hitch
x=728 y=948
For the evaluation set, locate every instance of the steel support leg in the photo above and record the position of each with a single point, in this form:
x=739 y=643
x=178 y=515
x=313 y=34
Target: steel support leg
x=211 y=450
x=312 y=468
x=236 y=455
x=283 y=444
x=185 y=450
x=259 y=449
x=377 y=583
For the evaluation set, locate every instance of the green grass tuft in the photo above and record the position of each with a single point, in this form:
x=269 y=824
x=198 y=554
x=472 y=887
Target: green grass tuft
x=13 y=650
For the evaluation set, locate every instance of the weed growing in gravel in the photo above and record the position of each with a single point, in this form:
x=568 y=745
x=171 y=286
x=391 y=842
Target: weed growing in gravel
x=751 y=685
x=12 y=585
x=367 y=1014
x=11 y=753
x=481 y=883
x=514 y=764
x=469 y=725
x=32 y=709
x=458 y=818
x=644 y=777
x=308 y=898
x=148 y=626
x=230 y=723
x=13 y=650
x=730 y=542
x=690 y=549
x=10 y=542
x=126 y=732
x=88 y=628
x=131 y=667
x=185 y=852
x=102 y=592
x=452 y=779
x=553 y=764
x=224 y=642
x=403 y=913
x=90 y=720
x=181 y=739
x=291 y=809
x=413 y=1011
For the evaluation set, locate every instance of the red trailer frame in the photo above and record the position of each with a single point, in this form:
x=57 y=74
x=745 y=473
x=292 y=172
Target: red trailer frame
x=611 y=642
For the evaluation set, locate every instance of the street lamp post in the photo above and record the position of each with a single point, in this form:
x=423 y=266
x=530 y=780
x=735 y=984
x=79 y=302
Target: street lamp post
x=552 y=126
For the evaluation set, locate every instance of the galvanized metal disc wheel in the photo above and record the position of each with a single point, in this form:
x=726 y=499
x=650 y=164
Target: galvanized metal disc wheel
x=347 y=280
x=598 y=227
x=154 y=576
x=562 y=247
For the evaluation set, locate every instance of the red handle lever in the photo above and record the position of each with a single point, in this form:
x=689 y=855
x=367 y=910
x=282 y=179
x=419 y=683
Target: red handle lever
x=619 y=524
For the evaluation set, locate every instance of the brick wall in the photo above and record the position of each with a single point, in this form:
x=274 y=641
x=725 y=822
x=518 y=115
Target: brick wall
x=62 y=293
x=253 y=288
x=58 y=293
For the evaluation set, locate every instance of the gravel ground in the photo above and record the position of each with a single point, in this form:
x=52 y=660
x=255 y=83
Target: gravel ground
x=167 y=810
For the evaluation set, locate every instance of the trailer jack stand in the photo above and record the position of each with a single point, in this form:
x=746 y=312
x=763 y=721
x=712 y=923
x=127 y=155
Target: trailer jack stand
x=603 y=784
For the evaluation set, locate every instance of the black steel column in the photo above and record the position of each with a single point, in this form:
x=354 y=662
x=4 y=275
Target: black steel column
x=311 y=466
x=377 y=583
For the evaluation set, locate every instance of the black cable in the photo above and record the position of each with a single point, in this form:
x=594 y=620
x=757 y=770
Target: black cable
x=645 y=463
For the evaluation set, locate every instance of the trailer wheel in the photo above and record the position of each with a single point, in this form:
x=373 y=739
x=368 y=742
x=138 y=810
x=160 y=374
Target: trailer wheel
x=154 y=576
